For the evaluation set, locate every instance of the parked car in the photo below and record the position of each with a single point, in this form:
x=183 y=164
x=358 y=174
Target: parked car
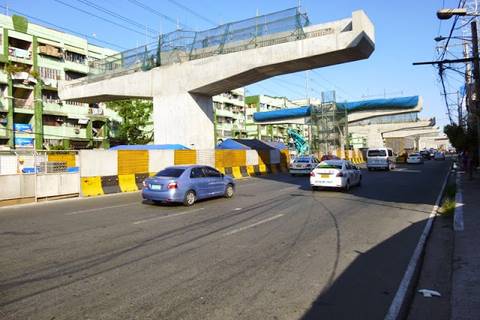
x=303 y=165
x=335 y=174
x=415 y=158
x=187 y=184
x=439 y=155
x=380 y=158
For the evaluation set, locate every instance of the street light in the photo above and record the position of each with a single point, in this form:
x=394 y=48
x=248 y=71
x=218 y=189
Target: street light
x=445 y=14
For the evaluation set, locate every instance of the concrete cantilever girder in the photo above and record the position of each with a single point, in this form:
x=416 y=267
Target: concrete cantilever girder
x=182 y=92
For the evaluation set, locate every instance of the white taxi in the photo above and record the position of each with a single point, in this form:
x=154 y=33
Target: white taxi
x=335 y=174
x=303 y=165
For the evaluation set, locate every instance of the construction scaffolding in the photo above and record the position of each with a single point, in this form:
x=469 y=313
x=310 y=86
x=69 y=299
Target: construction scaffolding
x=328 y=125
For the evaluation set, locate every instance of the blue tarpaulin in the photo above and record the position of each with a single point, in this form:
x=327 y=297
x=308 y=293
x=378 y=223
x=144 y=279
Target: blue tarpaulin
x=150 y=147
x=250 y=144
x=303 y=112
x=387 y=103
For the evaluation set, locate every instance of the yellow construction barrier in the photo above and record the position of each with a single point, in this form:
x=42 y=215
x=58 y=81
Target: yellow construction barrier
x=185 y=157
x=91 y=186
x=251 y=170
x=132 y=161
x=236 y=173
x=127 y=183
x=262 y=168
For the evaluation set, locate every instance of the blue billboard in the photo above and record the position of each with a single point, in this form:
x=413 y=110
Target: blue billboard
x=22 y=127
x=24 y=142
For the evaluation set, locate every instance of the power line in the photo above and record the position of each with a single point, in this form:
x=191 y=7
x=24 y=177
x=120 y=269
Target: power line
x=193 y=12
x=118 y=16
x=99 y=17
x=156 y=12
x=62 y=28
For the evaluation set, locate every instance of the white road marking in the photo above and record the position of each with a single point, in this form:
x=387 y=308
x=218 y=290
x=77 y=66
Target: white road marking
x=99 y=208
x=169 y=216
x=237 y=209
x=458 y=214
x=407 y=170
x=398 y=300
x=253 y=224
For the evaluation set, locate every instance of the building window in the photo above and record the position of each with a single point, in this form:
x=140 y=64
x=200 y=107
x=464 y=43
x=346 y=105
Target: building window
x=48 y=73
x=74 y=57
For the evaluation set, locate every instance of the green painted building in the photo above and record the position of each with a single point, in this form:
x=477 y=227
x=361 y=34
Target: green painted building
x=32 y=61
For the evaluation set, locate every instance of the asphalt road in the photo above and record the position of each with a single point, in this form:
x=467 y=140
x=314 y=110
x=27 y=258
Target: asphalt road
x=275 y=251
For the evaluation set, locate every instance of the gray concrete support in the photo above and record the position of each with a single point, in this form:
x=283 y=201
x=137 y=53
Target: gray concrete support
x=185 y=119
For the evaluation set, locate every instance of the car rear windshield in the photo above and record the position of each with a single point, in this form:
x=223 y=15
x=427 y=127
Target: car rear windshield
x=170 y=172
x=326 y=165
x=377 y=153
x=302 y=160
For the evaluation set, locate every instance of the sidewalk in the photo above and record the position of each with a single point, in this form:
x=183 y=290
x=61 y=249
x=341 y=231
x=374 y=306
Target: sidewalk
x=465 y=299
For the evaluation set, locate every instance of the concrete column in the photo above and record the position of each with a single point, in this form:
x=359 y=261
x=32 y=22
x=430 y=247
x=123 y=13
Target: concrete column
x=185 y=119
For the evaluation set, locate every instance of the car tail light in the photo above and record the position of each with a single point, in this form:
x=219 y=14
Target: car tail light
x=312 y=174
x=340 y=174
x=145 y=184
x=172 y=185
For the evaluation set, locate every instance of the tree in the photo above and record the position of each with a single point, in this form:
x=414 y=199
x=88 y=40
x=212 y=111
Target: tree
x=461 y=138
x=135 y=114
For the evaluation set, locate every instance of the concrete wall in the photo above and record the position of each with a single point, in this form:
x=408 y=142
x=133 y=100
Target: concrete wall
x=17 y=186
x=56 y=184
x=98 y=163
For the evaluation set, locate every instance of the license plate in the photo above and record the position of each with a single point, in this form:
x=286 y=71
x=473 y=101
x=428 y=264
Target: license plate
x=324 y=176
x=155 y=187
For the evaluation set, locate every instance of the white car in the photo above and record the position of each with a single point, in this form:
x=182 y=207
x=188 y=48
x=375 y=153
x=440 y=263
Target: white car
x=415 y=158
x=335 y=174
x=303 y=165
x=381 y=158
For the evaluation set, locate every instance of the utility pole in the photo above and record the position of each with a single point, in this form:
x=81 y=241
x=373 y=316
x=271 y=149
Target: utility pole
x=476 y=76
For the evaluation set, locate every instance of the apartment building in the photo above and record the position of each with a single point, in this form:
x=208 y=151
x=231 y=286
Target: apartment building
x=32 y=60
x=229 y=115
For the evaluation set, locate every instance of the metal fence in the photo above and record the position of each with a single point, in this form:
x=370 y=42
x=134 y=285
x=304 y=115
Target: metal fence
x=179 y=46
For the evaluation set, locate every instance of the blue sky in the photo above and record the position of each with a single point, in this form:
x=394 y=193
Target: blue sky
x=404 y=34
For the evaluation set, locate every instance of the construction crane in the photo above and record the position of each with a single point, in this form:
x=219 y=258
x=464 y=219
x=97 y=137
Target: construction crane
x=301 y=144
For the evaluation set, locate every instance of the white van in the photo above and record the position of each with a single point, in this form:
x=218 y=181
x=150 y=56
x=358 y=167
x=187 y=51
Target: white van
x=381 y=158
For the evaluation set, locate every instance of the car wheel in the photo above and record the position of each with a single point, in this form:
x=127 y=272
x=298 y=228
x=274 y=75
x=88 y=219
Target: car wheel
x=189 y=199
x=229 y=191
x=347 y=186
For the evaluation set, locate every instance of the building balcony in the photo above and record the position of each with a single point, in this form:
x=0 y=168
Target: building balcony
x=23 y=105
x=63 y=132
x=20 y=55
x=57 y=107
x=3 y=132
x=224 y=126
x=76 y=66
x=224 y=113
x=3 y=77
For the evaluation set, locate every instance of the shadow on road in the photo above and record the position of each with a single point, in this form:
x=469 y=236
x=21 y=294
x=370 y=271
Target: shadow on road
x=366 y=288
